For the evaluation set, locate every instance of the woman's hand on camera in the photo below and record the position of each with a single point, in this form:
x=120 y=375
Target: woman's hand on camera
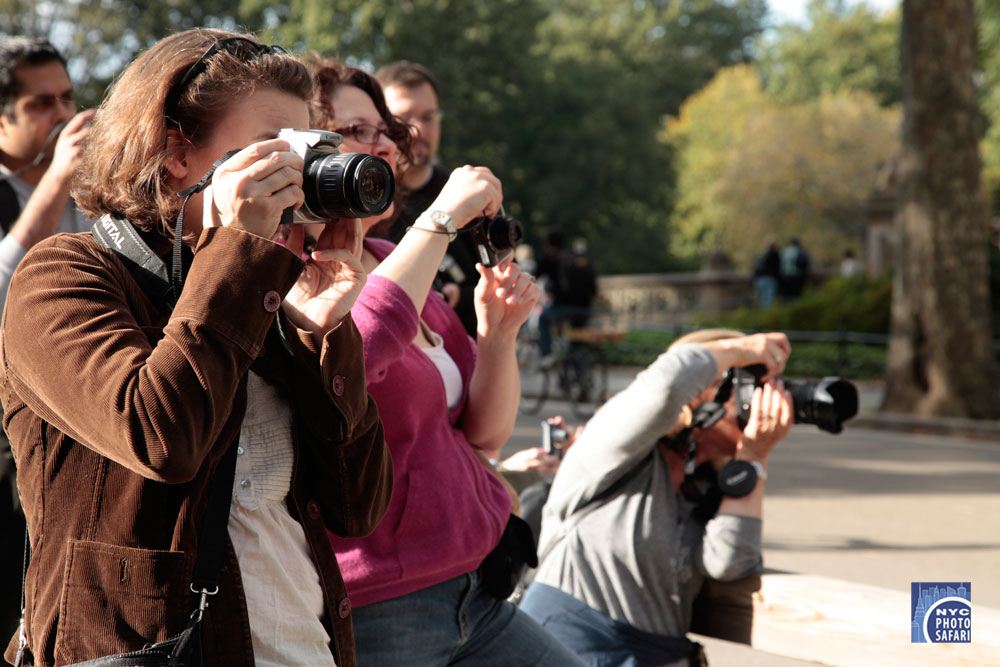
x=771 y=418
x=770 y=349
x=251 y=190
x=504 y=298
x=331 y=280
x=470 y=193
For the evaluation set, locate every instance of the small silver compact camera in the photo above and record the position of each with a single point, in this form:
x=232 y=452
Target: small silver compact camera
x=553 y=439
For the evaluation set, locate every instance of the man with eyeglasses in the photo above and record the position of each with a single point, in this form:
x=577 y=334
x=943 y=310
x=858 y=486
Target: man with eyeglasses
x=37 y=160
x=412 y=94
x=35 y=97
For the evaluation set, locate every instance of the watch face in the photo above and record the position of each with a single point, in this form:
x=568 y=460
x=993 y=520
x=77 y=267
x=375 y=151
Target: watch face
x=440 y=218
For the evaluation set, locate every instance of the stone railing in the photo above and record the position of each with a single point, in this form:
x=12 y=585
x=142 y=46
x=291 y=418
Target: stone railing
x=671 y=298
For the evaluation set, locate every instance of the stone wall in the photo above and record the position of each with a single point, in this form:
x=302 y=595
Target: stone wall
x=675 y=298
x=671 y=298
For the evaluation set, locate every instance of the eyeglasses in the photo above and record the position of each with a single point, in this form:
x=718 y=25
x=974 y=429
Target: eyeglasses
x=45 y=102
x=427 y=118
x=245 y=49
x=363 y=133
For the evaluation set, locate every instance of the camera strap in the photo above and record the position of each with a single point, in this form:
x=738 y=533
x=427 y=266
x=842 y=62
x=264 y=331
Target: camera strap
x=119 y=236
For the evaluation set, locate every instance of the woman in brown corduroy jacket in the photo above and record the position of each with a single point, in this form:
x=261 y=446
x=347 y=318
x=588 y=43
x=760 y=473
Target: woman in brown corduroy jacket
x=119 y=409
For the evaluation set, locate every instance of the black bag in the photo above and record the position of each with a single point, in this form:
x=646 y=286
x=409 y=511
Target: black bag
x=502 y=568
x=184 y=650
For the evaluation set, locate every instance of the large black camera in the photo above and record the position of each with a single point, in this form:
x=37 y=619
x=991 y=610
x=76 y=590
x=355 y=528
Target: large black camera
x=495 y=238
x=338 y=185
x=827 y=403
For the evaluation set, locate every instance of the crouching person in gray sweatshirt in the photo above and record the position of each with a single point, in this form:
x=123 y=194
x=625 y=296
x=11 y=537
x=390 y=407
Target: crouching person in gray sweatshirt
x=637 y=519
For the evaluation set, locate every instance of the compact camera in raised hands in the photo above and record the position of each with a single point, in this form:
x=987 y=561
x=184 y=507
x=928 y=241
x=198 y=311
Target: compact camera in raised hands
x=338 y=185
x=495 y=238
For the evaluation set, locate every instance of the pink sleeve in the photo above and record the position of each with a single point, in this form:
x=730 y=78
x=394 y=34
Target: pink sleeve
x=387 y=319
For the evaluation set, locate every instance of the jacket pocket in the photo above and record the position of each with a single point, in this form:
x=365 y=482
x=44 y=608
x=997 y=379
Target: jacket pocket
x=116 y=599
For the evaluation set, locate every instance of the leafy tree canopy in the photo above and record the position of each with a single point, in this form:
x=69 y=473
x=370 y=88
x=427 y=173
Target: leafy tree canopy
x=841 y=47
x=751 y=168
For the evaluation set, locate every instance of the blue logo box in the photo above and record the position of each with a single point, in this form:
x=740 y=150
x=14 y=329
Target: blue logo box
x=941 y=612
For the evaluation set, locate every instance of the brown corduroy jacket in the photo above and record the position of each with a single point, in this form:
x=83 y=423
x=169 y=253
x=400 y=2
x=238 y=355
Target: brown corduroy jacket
x=118 y=414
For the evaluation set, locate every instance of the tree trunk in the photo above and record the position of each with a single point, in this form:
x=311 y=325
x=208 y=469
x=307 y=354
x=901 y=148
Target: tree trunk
x=941 y=360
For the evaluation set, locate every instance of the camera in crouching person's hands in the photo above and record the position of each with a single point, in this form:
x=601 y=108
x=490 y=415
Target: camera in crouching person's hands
x=495 y=238
x=827 y=403
x=553 y=438
x=337 y=185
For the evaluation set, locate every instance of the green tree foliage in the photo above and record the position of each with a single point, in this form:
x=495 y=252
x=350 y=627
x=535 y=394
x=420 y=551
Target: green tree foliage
x=988 y=24
x=853 y=48
x=561 y=98
x=750 y=168
x=99 y=37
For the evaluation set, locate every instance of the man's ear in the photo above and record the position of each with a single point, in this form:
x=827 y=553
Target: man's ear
x=177 y=155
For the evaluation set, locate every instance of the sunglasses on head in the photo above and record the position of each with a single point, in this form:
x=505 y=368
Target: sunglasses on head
x=246 y=50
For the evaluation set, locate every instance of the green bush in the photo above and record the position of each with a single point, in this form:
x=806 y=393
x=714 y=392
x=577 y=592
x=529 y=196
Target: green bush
x=858 y=304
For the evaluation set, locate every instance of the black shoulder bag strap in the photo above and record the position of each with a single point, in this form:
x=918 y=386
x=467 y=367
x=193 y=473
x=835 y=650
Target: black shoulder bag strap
x=151 y=273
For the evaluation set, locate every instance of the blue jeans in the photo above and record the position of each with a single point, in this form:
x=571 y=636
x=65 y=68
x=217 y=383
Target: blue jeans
x=453 y=623
x=600 y=640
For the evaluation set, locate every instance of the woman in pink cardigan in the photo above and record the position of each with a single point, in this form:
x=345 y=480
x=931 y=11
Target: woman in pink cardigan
x=415 y=582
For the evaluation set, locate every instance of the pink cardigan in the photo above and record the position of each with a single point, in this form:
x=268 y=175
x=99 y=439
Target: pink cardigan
x=447 y=510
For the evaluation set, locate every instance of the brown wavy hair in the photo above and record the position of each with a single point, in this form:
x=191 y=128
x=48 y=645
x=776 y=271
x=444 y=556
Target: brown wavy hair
x=328 y=75
x=124 y=170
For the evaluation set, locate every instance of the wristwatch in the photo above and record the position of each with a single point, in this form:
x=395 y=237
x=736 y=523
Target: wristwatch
x=738 y=477
x=437 y=221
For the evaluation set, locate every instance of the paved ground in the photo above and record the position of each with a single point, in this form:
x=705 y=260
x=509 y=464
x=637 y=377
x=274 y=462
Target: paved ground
x=872 y=505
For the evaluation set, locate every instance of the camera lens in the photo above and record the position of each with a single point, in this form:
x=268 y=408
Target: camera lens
x=505 y=232
x=827 y=403
x=346 y=185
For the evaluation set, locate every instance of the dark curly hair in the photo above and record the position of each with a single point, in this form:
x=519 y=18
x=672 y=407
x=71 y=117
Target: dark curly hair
x=21 y=52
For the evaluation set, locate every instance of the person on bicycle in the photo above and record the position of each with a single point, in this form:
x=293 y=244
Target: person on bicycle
x=571 y=284
x=629 y=537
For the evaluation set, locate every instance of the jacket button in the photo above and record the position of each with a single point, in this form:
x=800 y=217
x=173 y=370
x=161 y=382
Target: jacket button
x=344 y=608
x=338 y=385
x=312 y=509
x=272 y=301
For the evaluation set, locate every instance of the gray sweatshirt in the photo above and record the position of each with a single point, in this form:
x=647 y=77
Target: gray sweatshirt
x=639 y=556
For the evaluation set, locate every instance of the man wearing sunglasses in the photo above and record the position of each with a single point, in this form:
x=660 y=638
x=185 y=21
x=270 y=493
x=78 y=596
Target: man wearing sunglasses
x=41 y=137
x=35 y=97
x=412 y=94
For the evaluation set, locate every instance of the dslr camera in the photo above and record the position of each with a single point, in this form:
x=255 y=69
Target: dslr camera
x=827 y=403
x=337 y=185
x=495 y=238
x=553 y=439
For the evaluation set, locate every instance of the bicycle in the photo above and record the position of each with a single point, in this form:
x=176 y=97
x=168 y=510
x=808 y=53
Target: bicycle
x=578 y=372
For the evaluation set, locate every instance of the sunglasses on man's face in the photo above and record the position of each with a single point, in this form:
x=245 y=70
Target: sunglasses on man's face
x=246 y=50
x=45 y=102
